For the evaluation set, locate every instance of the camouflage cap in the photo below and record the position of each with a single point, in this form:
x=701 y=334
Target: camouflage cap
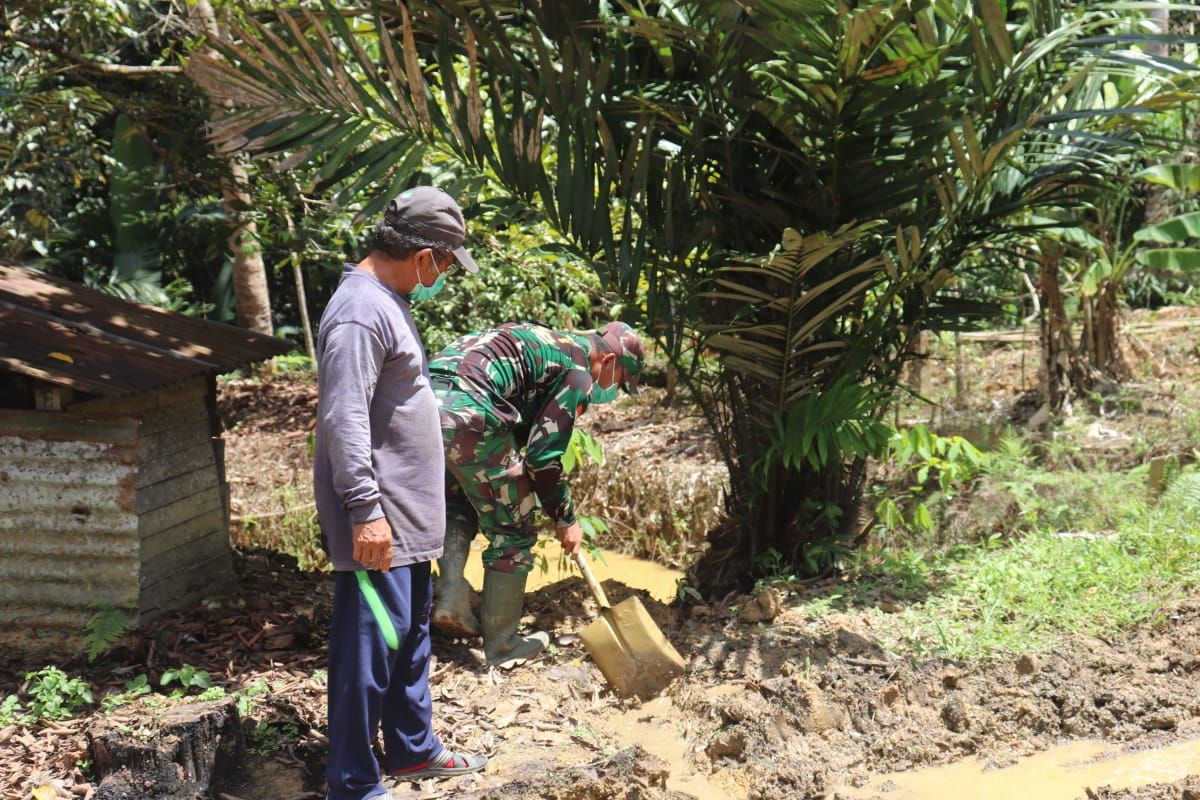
x=627 y=346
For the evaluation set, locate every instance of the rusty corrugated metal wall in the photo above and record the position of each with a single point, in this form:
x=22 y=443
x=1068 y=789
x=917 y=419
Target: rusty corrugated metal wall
x=68 y=525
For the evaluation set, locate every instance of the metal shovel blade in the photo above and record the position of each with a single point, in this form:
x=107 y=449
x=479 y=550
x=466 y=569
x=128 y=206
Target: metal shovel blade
x=628 y=647
x=630 y=650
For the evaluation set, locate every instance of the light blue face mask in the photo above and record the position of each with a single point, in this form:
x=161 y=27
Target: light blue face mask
x=600 y=395
x=421 y=292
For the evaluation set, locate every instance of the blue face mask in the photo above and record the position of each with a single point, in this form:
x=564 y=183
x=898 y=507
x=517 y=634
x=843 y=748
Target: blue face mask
x=422 y=292
x=600 y=395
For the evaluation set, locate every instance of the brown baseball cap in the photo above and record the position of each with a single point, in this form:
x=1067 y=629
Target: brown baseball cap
x=627 y=346
x=431 y=217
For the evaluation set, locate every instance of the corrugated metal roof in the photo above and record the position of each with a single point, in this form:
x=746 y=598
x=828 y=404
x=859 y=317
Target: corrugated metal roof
x=73 y=336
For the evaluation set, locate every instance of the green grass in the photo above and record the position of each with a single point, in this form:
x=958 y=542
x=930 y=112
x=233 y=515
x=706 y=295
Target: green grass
x=994 y=600
x=293 y=531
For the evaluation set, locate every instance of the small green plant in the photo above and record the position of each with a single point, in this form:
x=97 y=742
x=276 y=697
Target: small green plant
x=950 y=460
x=593 y=527
x=10 y=710
x=294 y=362
x=294 y=531
x=927 y=458
x=582 y=448
x=54 y=695
x=264 y=740
x=245 y=697
x=212 y=693
x=188 y=677
x=104 y=629
x=583 y=731
x=133 y=688
x=774 y=570
x=834 y=551
x=686 y=592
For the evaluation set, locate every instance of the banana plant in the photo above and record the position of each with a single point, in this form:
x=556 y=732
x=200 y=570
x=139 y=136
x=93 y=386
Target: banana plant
x=1181 y=233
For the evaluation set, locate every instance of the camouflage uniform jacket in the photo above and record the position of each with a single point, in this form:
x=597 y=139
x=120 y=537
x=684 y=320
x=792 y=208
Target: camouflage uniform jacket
x=533 y=381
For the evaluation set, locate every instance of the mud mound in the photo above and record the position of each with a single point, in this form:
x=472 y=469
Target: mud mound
x=800 y=705
x=631 y=774
x=1187 y=789
x=791 y=707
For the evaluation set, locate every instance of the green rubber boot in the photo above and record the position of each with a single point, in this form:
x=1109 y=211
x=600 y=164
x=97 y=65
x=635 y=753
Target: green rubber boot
x=503 y=601
x=453 y=615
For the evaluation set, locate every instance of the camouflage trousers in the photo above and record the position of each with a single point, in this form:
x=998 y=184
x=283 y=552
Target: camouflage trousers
x=486 y=485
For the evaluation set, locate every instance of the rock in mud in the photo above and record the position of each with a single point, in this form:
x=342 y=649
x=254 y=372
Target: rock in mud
x=736 y=706
x=631 y=774
x=727 y=744
x=1026 y=665
x=815 y=711
x=764 y=606
x=954 y=715
x=1162 y=721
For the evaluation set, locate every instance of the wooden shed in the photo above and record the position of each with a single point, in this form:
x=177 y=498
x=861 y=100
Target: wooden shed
x=112 y=479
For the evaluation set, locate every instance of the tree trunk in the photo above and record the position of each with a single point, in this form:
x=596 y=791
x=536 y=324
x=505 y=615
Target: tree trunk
x=1108 y=360
x=960 y=368
x=301 y=295
x=1061 y=373
x=195 y=752
x=250 y=296
x=918 y=375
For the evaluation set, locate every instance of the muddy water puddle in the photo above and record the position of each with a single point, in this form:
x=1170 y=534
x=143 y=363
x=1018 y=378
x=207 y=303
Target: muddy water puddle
x=636 y=573
x=647 y=726
x=1063 y=773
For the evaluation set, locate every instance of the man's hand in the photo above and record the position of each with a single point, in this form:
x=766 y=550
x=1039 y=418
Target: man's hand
x=570 y=537
x=373 y=544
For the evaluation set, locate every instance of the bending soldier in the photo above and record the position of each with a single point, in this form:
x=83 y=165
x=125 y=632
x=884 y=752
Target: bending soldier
x=508 y=399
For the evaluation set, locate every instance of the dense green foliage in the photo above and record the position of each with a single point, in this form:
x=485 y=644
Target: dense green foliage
x=887 y=151
x=108 y=180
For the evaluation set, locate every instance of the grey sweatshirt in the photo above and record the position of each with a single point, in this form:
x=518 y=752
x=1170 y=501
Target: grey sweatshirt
x=379 y=442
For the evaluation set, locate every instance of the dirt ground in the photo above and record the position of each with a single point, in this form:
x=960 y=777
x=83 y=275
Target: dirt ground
x=777 y=704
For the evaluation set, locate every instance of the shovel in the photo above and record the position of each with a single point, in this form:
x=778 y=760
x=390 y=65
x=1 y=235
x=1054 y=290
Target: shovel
x=632 y=653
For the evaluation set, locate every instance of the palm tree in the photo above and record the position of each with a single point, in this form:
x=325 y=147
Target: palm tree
x=790 y=185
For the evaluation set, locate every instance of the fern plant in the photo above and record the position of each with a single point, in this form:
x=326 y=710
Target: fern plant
x=104 y=629
x=1183 y=493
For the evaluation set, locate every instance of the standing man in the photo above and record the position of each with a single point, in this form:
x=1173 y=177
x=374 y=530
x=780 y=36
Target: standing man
x=509 y=397
x=378 y=480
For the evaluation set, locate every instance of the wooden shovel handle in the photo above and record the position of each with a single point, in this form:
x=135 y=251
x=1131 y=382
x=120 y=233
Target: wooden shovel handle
x=581 y=561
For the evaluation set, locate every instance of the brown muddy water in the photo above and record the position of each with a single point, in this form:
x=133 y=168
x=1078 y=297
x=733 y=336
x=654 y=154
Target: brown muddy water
x=1063 y=773
x=659 y=581
x=647 y=726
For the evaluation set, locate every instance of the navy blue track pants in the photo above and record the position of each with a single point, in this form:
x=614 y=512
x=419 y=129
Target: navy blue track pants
x=372 y=685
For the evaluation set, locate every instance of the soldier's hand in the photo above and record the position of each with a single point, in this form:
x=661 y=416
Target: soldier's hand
x=570 y=537
x=373 y=544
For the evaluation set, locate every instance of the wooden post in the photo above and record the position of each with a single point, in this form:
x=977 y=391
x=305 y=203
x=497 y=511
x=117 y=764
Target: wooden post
x=49 y=397
x=1158 y=474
